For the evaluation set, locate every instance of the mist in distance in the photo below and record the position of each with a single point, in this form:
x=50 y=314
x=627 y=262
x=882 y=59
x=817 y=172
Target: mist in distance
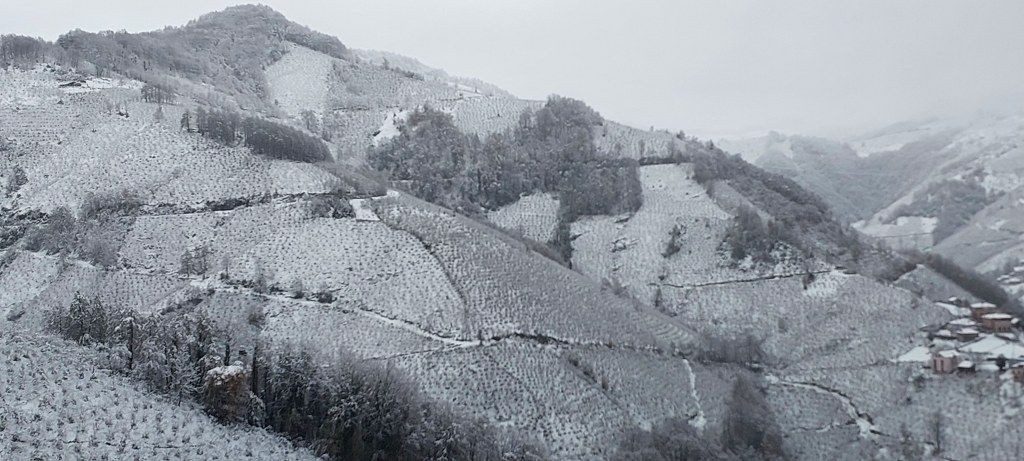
x=710 y=68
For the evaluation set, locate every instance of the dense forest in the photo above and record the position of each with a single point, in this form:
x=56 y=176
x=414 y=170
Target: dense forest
x=550 y=150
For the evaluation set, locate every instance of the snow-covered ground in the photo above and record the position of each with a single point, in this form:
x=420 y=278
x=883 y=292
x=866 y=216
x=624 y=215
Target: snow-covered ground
x=55 y=403
x=534 y=216
x=299 y=80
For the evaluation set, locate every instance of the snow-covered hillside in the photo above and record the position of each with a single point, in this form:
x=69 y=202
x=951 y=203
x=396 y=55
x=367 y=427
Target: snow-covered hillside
x=111 y=200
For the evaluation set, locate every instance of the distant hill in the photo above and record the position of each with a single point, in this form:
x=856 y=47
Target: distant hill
x=942 y=184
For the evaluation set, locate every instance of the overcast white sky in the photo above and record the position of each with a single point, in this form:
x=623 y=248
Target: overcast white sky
x=711 y=68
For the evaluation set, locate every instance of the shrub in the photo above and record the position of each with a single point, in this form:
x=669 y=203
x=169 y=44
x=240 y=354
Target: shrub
x=98 y=205
x=330 y=206
x=749 y=236
x=57 y=234
x=674 y=236
x=323 y=294
x=298 y=289
x=15 y=179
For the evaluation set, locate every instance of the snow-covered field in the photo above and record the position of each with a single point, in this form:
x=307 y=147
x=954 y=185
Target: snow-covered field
x=71 y=146
x=534 y=216
x=630 y=250
x=299 y=80
x=55 y=403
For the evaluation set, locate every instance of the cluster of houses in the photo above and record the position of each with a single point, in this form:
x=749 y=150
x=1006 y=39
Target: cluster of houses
x=981 y=338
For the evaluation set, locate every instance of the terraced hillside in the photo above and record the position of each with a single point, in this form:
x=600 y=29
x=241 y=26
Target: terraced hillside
x=409 y=284
x=58 y=405
x=655 y=321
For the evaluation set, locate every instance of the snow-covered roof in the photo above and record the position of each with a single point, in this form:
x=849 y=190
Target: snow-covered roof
x=966 y=364
x=985 y=345
x=963 y=322
x=998 y=316
x=949 y=353
x=944 y=333
x=1010 y=351
x=988 y=366
x=968 y=331
x=983 y=306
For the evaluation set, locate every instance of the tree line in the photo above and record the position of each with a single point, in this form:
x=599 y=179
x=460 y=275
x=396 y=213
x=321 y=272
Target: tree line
x=263 y=137
x=350 y=410
x=970 y=280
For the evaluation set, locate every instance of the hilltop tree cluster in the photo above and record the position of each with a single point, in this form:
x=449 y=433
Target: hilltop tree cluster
x=551 y=150
x=22 y=51
x=263 y=137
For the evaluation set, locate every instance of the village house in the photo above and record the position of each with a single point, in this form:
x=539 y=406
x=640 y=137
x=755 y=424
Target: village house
x=945 y=361
x=965 y=366
x=997 y=322
x=980 y=310
x=967 y=334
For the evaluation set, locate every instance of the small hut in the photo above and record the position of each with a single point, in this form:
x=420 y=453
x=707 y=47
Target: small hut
x=945 y=361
